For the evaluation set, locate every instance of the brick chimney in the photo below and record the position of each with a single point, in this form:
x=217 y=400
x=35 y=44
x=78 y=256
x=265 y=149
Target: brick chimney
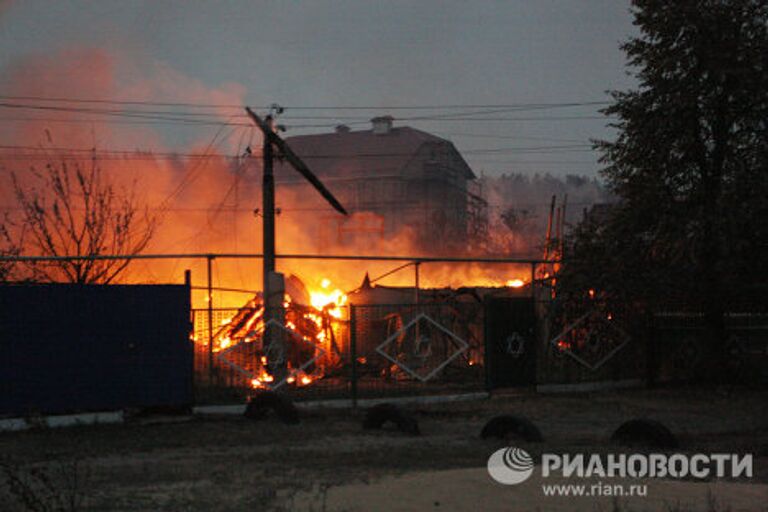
x=382 y=125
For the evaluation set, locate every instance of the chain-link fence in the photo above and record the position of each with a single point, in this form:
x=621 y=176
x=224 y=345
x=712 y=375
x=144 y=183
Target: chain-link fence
x=426 y=339
x=367 y=351
x=416 y=348
x=680 y=346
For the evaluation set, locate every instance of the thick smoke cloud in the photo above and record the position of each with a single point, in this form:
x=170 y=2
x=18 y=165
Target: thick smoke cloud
x=206 y=205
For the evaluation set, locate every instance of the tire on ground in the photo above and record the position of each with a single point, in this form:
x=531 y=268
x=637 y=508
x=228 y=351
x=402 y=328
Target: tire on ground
x=378 y=415
x=264 y=401
x=506 y=426
x=644 y=432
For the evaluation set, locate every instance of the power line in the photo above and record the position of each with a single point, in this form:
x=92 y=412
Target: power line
x=121 y=102
x=117 y=121
x=536 y=162
x=504 y=137
x=486 y=119
x=451 y=106
x=187 y=116
x=151 y=153
x=176 y=156
x=446 y=116
x=300 y=107
x=193 y=172
x=407 y=206
x=200 y=117
x=138 y=152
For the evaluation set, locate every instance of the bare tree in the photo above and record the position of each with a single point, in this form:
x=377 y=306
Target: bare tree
x=68 y=209
x=7 y=248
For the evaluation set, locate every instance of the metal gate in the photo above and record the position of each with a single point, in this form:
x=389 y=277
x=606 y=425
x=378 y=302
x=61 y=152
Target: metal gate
x=415 y=349
x=510 y=342
x=76 y=348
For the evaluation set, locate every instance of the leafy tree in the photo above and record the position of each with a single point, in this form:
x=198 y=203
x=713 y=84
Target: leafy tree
x=68 y=209
x=688 y=164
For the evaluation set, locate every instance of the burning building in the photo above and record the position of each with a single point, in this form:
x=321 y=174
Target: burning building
x=390 y=178
x=392 y=337
x=394 y=181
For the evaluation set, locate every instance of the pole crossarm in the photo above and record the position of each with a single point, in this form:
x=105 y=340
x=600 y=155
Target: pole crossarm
x=296 y=162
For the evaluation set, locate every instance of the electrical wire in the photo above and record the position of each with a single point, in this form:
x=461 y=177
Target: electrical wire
x=32 y=152
x=300 y=107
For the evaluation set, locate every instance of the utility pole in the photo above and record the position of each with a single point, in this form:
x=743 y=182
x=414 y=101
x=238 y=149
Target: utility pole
x=268 y=212
x=271 y=334
x=274 y=286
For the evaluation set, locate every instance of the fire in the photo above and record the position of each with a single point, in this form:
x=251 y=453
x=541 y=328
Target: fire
x=327 y=298
x=315 y=331
x=265 y=380
x=315 y=344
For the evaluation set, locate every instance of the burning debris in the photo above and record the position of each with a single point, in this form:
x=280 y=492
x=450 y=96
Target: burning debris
x=397 y=339
x=307 y=345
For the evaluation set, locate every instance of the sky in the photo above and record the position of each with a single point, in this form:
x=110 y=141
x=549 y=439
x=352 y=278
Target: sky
x=330 y=54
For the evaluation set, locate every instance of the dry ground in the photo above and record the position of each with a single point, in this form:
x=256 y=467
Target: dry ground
x=228 y=463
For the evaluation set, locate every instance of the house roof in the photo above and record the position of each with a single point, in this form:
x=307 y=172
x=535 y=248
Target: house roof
x=362 y=152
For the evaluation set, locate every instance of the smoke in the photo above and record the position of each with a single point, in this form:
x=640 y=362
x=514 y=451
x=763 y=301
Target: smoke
x=184 y=193
x=519 y=207
x=208 y=203
x=98 y=74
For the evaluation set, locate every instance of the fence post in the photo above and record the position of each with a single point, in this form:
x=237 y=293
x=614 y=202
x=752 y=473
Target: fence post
x=209 y=260
x=353 y=354
x=188 y=284
x=417 y=284
x=487 y=355
x=533 y=280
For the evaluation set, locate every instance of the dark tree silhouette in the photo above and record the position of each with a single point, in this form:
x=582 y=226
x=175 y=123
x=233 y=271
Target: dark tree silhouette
x=7 y=248
x=68 y=209
x=688 y=164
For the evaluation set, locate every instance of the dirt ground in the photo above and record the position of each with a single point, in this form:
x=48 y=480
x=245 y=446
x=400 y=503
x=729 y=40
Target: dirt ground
x=226 y=463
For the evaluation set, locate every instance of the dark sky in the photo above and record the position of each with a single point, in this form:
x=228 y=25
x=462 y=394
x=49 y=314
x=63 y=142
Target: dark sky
x=370 y=54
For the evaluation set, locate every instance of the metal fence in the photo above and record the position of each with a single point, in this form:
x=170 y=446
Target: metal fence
x=416 y=348
x=370 y=351
x=77 y=348
x=437 y=340
x=427 y=341
x=678 y=347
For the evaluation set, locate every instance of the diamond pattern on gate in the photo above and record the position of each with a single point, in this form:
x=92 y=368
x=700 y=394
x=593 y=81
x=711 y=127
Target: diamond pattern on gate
x=592 y=340
x=422 y=347
x=243 y=356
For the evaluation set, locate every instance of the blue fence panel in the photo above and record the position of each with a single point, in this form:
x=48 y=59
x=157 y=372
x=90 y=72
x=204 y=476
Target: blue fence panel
x=72 y=348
